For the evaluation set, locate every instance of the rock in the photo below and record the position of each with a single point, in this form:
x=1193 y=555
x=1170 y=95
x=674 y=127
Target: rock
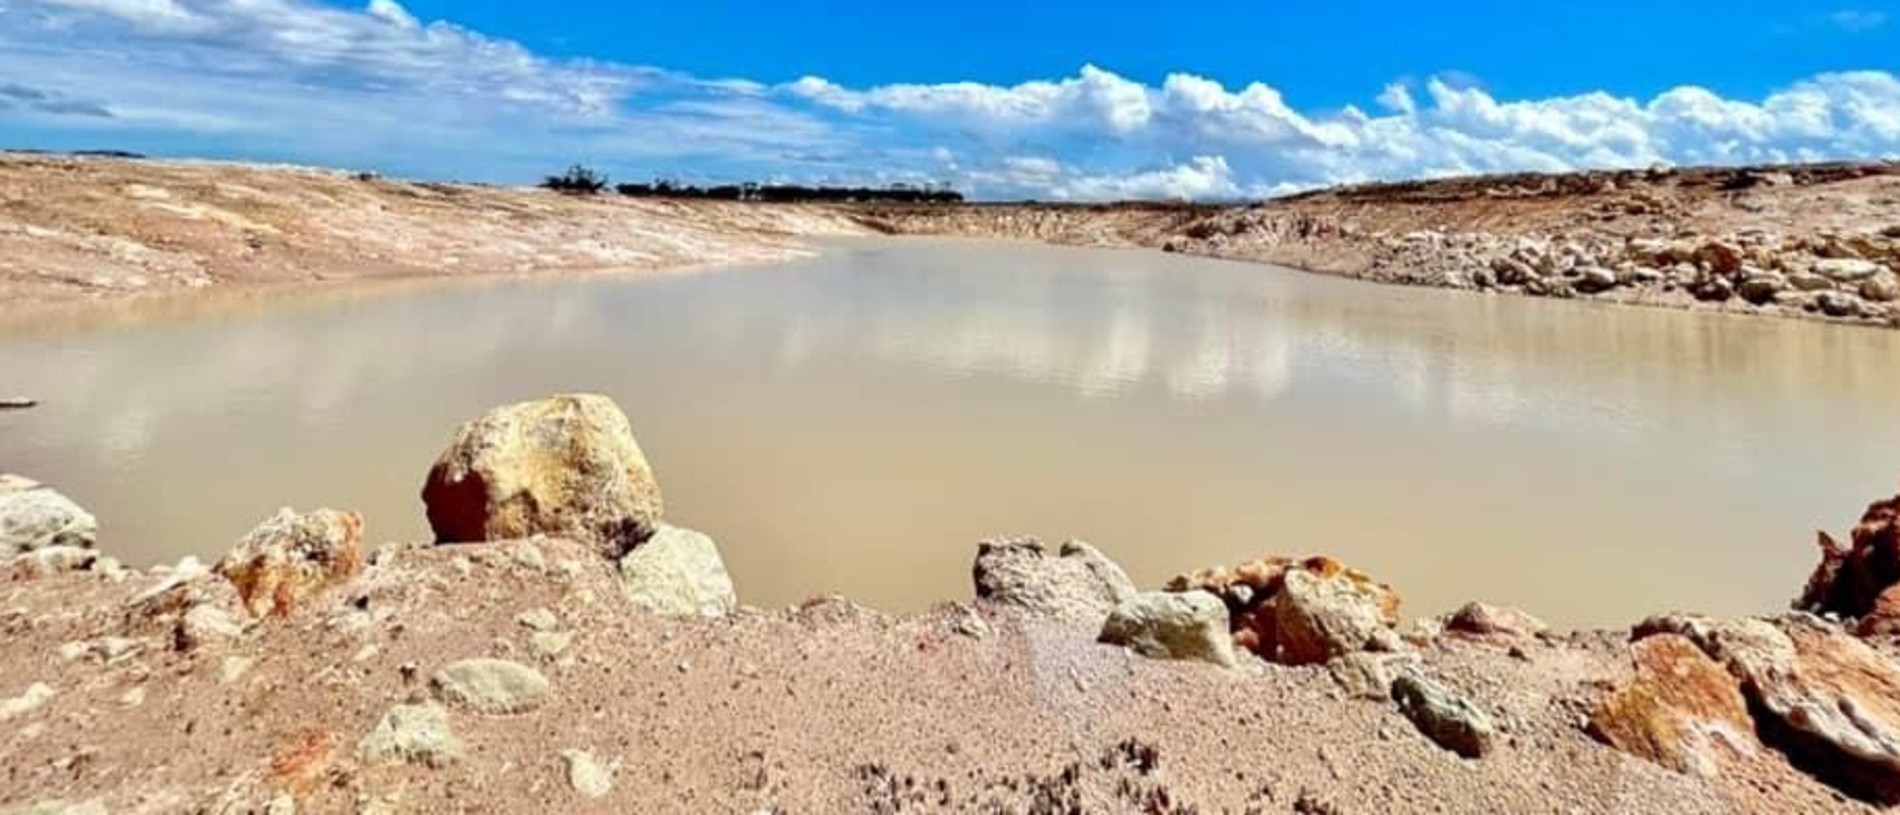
x=1719 y=257
x=1823 y=697
x=539 y=619
x=291 y=557
x=1881 y=288
x=34 y=517
x=678 y=573
x=1078 y=585
x=412 y=734
x=50 y=561
x=567 y=466
x=1682 y=710
x=1849 y=580
x=1712 y=290
x=234 y=668
x=585 y=775
x=1760 y=288
x=1594 y=279
x=1838 y=304
x=1847 y=270
x=1369 y=676
x=36 y=695
x=1809 y=281
x=1492 y=624
x=1170 y=625
x=548 y=645
x=204 y=625
x=1451 y=721
x=1883 y=620
x=1513 y=272
x=1319 y=616
x=494 y=686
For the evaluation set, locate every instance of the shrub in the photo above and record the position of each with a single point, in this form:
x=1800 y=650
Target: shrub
x=578 y=180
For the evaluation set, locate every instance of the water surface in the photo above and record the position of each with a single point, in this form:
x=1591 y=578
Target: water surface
x=854 y=422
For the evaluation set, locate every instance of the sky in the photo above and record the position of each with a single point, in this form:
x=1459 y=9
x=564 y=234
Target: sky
x=1212 y=100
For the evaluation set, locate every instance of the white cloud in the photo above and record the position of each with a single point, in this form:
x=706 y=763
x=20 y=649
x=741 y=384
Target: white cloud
x=1857 y=20
x=392 y=12
x=375 y=86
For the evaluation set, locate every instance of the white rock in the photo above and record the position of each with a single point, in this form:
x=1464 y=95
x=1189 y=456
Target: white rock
x=494 y=686
x=586 y=775
x=412 y=734
x=36 y=694
x=678 y=573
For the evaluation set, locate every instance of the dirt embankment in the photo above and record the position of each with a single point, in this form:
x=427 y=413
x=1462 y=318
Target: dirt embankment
x=1819 y=241
x=88 y=228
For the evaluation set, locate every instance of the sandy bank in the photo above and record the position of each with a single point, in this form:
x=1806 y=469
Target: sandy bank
x=101 y=229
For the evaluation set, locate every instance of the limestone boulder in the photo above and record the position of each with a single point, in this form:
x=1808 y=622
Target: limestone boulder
x=1076 y=584
x=292 y=556
x=1172 y=625
x=1319 y=616
x=1847 y=270
x=678 y=573
x=567 y=466
x=33 y=517
x=1682 y=710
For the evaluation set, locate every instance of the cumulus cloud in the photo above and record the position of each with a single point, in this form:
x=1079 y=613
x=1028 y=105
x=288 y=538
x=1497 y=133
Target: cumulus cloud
x=375 y=85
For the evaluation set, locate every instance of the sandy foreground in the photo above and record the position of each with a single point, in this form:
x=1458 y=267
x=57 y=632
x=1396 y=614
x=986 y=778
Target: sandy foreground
x=824 y=708
x=1814 y=242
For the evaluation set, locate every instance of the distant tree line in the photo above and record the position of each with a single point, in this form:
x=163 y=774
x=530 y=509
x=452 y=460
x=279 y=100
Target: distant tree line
x=581 y=180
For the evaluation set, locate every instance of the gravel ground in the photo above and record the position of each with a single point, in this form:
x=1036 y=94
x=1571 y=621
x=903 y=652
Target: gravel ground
x=824 y=708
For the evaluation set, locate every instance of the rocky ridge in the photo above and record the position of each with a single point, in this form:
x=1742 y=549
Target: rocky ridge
x=1813 y=241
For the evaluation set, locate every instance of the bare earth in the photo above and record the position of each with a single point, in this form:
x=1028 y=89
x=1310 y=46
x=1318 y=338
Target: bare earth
x=829 y=708
x=89 y=229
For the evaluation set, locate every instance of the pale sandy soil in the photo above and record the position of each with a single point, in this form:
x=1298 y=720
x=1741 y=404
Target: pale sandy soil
x=826 y=709
x=91 y=229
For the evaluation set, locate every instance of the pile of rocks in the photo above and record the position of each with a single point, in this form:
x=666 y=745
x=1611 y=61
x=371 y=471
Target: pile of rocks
x=569 y=467
x=1300 y=612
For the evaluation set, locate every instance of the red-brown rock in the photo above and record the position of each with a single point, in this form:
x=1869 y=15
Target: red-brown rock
x=1850 y=579
x=1496 y=625
x=1682 y=710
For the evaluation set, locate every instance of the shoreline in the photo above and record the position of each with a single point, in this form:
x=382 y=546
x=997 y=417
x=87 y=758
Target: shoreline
x=597 y=657
x=1816 y=242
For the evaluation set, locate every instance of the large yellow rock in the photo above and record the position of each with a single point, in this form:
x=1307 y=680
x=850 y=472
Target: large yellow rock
x=567 y=466
x=1682 y=710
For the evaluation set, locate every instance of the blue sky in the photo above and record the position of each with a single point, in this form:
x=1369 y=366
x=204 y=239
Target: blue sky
x=1214 y=99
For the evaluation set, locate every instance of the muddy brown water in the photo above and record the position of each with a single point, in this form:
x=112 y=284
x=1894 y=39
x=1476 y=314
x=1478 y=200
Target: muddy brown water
x=854 y=422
